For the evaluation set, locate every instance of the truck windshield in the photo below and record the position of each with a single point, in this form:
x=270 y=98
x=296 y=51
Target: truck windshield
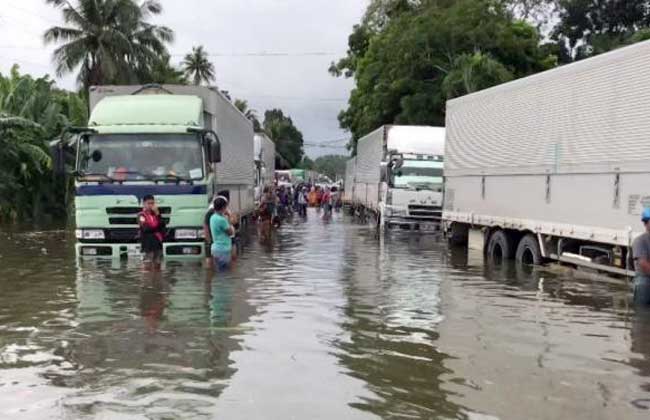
x=419 y=174
x=142 y=156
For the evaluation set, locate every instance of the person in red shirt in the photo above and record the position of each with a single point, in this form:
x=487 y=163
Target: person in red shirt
x=152 y=232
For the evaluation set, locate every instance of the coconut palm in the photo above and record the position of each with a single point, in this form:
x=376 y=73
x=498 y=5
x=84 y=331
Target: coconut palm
x=473 y=72
x=251 y=114
x=109 y=40
x=197 y=67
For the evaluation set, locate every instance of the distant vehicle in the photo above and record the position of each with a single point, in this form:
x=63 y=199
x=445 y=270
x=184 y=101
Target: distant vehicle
x=264 y=163
x=398 y=177
x=554 y=166
x=284 y=178
x=163 y=140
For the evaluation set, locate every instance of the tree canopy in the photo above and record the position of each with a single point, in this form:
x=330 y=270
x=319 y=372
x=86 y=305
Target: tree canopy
x=111 y=41
x=331 y=165
x=288 y=139
x=411 y=57
x=32 y=112
x=198 y=67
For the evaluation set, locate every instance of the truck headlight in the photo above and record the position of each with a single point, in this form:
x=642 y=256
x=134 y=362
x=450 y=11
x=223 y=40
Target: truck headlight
x=188 y=234
x=89 y=234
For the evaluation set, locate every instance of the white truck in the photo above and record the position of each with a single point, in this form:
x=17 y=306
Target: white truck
x=348 y=182
x=554 y=166
x=398 y=177
x=264 y=163
x=235 y=174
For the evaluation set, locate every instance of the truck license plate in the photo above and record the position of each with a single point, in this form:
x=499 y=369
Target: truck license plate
x=90 y=251
x=188 y=251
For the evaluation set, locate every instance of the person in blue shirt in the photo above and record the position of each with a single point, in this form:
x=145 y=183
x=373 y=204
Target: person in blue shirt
x=221 y=232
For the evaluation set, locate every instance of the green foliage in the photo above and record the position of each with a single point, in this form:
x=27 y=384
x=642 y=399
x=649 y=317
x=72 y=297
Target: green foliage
x=306 y=163
x=425 y=52
x=286 y=136
x=197 y=66
x=251 y=114
x=593 y=27
x=111 y=41
x=164 y=73
x=331 y=165
x=32 y=112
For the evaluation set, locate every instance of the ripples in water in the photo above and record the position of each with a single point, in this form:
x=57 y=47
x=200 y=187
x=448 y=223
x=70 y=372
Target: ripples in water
x=326 y=321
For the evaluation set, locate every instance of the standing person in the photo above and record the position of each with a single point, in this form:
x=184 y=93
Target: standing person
x=152 y=232
x=266 y=211
x=326 y=203
x=641 y=254
x=312 y=197
x=208 y=235
x=221 y=231
x=302 y=202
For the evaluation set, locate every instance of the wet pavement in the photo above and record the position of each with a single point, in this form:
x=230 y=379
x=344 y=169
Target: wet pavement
x=326 y=321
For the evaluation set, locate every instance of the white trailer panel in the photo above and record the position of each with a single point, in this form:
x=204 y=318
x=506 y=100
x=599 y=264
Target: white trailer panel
x=562 y=153
x=265 y=151
x=350 y=173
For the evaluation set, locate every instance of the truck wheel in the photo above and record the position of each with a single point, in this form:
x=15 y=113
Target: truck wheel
x=528 y=252
x=458 y=234
x=499 y=247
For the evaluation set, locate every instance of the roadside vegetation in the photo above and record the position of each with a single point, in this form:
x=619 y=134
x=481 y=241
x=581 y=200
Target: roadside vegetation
x=103 y=42
x=408 y=57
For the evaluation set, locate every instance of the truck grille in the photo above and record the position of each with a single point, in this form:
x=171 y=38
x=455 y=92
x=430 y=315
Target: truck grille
x=134 y=210
x=129 y=220
x=122 y=235
x=425 y=212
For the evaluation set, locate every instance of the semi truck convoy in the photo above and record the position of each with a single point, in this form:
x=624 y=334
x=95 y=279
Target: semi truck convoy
x=398 y=177
x=554 y=166
x=264 y=163
x=183 y=144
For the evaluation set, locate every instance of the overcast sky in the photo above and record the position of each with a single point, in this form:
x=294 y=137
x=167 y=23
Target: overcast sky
x=311 y=33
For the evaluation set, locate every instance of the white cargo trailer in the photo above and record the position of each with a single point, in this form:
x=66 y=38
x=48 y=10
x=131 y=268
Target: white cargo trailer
x=348 y=183
x=264 y=163
x=398 y=176
x=235 y=174
x=555 y=165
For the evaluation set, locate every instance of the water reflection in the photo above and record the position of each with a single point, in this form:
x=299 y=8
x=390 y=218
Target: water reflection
x=325 y=320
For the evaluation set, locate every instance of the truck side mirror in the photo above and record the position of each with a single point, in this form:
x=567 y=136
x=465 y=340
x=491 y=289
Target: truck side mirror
x=214 y=148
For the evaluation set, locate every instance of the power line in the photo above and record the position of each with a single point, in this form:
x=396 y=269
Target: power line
x=269 y=54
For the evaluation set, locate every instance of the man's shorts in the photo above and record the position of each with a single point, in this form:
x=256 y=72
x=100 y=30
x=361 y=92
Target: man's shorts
x=642 y=290
x=153 y=256
x=222 y=259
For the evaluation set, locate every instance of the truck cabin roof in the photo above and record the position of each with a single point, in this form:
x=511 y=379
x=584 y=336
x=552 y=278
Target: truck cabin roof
x=147 y=113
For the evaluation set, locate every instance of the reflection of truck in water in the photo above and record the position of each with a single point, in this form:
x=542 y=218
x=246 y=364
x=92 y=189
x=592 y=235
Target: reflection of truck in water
x=264 y=163
x=162 y=140
x=398 y=177
x=554 y=166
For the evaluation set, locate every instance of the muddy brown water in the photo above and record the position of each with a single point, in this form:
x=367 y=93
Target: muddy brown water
x=325 y=322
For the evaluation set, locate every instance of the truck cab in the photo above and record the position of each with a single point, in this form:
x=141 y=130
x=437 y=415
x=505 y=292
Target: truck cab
x=137 y=145
x=412 y=191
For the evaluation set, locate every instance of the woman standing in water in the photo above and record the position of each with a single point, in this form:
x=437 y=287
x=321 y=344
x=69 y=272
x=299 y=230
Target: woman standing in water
x=221 y=232
x=152 y=233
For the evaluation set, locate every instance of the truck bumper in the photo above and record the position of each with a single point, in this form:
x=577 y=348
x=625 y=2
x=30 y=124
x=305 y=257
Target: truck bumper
x=171 y=250
x=415 y=225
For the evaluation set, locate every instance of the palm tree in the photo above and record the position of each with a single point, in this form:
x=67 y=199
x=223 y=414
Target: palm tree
x=197 y=67
x=473 y=72
x=110 y=40
x=251 y=114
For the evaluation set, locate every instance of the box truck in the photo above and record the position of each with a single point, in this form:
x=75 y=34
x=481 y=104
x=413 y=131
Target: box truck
x=264 y=163
x=398 y=177
x=183 y=144
x=554 y=166
x=348 y=182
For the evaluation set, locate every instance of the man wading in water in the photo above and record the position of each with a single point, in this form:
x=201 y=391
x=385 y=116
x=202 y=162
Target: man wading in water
x=152 y=232
x=641 y=253
x=221 y=232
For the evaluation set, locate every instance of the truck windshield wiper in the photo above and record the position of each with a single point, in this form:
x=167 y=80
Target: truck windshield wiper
x=138 y=173
x=104 y=177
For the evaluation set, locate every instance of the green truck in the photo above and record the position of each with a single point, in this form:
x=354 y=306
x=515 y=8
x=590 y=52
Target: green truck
x=183 y=144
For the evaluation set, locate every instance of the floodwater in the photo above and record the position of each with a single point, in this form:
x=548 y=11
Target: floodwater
x=325 y=322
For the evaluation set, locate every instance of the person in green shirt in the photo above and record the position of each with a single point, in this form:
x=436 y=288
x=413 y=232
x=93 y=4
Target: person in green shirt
x=221 y=231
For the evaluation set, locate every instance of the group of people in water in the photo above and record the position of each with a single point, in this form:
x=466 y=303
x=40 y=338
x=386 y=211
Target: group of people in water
x=220 y=224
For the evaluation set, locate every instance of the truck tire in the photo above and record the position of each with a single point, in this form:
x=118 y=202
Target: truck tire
x=528 y=252
x=499 y=247
x=458 y=234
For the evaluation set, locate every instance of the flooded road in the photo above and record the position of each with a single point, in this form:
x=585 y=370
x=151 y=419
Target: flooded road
x=325 y=322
